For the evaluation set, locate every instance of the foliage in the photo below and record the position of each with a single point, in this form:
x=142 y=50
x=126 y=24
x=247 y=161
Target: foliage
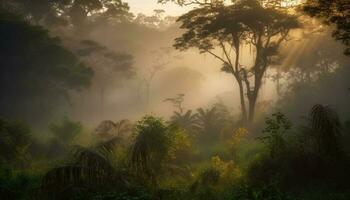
x=66 y=130
x=105 y=62
x=332 y=12
x=90 y=171
x=326 y=127
x=38 y=68
x=77 y=12
x=150 y=147
x=187 y=121
x=209 y=123
x=180 y=147
x=268 y=192
x=227 y=28
x=237 y=137
x=15 y=137
x=18 y=185
x=108 y=129
x=276 y=127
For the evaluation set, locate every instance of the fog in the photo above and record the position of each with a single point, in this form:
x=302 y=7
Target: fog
x=174 y=99
x=196 y=75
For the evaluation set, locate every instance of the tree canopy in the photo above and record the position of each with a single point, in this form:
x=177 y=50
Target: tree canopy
x=79 y=13
x=37 y=71
x=335 y=12
x=228 y=28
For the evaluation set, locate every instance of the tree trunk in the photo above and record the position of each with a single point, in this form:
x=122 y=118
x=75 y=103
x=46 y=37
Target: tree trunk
x=243 y=105
x=240 y=83
x=252 y=105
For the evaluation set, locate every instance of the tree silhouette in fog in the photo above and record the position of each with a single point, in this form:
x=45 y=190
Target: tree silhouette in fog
x=162 y=57
x=209 y=122
x=108 y=129
x=109 y=67
x=228 y=28
x=187 y=121
x=326 y=129
x=37 y=71
x=82 y=15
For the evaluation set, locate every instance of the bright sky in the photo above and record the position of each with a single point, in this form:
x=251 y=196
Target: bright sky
x=147 y=7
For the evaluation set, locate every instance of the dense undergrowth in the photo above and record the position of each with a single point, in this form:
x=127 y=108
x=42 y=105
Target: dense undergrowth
x=157 y=159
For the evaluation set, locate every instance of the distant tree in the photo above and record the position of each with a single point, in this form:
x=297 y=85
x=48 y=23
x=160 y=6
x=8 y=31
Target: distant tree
x=37 y=72
x=106 y=129
x=66 y=130
x=82 y=14
x=162 y=58
x=209 y=123
x=180 y=119
x=109 y=129
x=227 y=28
x=158 y=20
x=187 y=121
x=335 y=12
x=313 y=62
x=110 y=67
x=177 y=102
x=192 y=2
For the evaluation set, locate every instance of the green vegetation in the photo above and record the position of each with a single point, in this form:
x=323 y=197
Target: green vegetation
x=160 y=161
x=61 y=74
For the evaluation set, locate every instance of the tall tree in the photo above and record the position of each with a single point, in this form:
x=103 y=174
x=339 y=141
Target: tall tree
x=215 y=27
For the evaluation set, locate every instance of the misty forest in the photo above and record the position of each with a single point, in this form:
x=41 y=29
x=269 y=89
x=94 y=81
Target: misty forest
x=175 y=99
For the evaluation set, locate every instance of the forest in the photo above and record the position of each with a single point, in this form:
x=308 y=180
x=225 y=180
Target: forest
x=175 y=99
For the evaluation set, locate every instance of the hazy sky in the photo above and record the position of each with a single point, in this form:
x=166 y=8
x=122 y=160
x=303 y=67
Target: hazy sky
x=147 y=7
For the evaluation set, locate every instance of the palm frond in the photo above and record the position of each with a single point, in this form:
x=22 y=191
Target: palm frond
x=324 y=118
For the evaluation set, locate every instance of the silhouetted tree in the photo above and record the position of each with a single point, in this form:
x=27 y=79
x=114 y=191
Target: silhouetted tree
x=110 y=67
x=227 y=28
x=162 y=58
x=209 y=123
x=187 y=121
x=326 y=129
x=37 y=72
x=158 y=20
x=335 y=12
x=109 y=129
x=177 y=102
x=81 y=14
x=91 y=170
